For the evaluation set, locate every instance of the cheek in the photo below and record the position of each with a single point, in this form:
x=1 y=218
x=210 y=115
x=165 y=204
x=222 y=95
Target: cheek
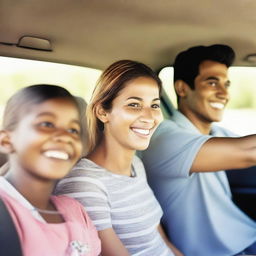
x=23 y=141
x=205 y=94
x=79 y=147
x=197 y=100
x=123 y=116
x=158 y=116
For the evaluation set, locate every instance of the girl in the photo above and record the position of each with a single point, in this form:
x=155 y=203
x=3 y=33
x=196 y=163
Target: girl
x=110 y=182
x=42 y=136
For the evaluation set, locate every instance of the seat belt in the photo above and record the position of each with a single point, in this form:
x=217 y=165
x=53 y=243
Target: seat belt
x=9 y=240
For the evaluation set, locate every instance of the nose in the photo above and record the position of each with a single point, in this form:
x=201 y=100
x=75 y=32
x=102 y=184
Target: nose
x=62 y=135
x=223 y=92
x=147 y=115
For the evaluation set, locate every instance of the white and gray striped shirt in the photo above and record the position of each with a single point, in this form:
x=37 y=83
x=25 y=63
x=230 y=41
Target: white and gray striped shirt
x=126 y=204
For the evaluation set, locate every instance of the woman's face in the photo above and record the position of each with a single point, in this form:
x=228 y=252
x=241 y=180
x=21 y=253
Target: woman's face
x=134 y=116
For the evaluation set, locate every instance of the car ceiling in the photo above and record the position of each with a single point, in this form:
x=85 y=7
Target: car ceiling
x=96 y=33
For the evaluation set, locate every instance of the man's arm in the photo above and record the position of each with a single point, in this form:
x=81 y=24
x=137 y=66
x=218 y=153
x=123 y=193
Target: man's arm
x=225 y=153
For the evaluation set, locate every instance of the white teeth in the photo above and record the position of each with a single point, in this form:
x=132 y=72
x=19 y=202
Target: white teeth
x=217 y=105
x=141 y=131
x=56 y=154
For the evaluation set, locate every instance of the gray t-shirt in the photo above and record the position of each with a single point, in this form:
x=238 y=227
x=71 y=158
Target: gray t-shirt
x=126 y=204
x=199 y=215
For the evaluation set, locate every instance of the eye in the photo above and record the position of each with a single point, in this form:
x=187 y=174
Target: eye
x=135 y=105
x=74 y=131
x=155 y=105
x=46 y=124
x=212 y=83
x=227 y=85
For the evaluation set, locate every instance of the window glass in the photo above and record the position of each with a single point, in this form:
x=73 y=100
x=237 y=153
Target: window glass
x=240 y=115
x=17 y=73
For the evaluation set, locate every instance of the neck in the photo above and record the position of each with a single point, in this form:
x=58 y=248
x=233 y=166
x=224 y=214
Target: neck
x=118 y=161
x=202 y=125
x=37 y=192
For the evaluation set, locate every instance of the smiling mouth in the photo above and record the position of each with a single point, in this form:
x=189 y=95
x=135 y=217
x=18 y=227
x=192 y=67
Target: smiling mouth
x=144 y=132
x=217 y=105
x=56 y=154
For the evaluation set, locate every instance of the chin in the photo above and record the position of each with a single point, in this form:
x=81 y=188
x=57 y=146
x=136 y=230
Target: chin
x=140 y=148
x=217 y=119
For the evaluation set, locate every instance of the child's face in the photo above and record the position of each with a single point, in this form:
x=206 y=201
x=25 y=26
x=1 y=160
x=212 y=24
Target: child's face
x=46 y=142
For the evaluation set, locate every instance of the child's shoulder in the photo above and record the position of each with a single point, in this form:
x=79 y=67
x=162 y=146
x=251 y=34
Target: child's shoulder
x=61 y=200
x=66 y=205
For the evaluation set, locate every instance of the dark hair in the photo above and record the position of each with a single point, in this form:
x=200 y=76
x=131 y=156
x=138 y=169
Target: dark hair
x=186 y=64
x=110 y=83
x=24 y=99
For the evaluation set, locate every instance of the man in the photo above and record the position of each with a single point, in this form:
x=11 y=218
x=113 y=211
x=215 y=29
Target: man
x=187 y=154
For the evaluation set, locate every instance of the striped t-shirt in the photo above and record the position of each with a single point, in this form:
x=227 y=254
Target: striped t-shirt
x=126 y=204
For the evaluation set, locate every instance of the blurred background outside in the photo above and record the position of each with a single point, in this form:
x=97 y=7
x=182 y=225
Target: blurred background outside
x=240 y=115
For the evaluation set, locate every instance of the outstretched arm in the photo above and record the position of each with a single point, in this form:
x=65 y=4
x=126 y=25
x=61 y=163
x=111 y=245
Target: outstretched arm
x=225 y=153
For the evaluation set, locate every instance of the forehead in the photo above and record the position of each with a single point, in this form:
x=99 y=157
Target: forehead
x=141 y=86
x=212 y=68
x=57 y=106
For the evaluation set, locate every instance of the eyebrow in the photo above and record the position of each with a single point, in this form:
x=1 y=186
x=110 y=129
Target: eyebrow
x=53 y=115
x=212 y=78
x=217 y=79
x=140 y=99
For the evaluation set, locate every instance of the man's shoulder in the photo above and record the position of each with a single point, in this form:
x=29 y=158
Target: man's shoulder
x=173 y=130
x=173 y=140
x=167 y=126
x=222 y=131
x=167 y=123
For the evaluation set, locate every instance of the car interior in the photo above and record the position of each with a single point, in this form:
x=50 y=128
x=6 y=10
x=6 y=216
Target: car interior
x=94 y=34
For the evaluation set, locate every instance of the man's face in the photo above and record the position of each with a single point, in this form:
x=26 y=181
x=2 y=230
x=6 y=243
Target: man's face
x=205 y=104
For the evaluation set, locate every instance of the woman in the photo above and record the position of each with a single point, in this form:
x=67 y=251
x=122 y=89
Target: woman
x=110 y=182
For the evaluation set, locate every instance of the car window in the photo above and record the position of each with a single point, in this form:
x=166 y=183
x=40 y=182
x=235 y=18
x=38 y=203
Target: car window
x=239 y=116
x=17 y=73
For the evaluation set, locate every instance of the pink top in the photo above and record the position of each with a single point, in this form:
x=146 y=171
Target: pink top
x=77 y=236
